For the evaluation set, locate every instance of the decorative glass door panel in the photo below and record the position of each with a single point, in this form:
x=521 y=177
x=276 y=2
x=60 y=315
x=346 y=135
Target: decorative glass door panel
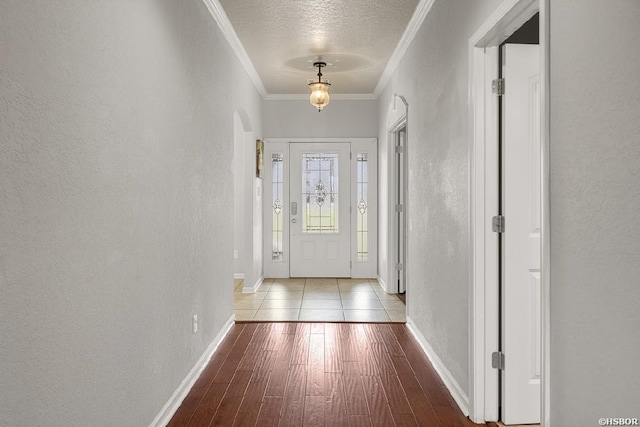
x=319 y=211
x=320 y=193
x=362 y=213
x=277 y=226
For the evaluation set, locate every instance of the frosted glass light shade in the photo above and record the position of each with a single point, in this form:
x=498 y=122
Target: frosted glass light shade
x=319 y=94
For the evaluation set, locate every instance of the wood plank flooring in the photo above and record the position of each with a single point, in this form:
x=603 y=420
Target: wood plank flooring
x=319 y=374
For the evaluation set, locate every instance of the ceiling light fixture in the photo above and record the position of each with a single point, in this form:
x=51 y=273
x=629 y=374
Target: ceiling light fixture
x=319 y=90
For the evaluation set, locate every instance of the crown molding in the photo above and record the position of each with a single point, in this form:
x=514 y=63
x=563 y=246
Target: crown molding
x=305 y=97
x=221 y=18
x=421 y=12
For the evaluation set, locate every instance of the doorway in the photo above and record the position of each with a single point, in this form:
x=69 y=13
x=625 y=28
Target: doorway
x=509 y=285
x=319 y=194
x=400 y=144
x=519 y=246
x=320 y=208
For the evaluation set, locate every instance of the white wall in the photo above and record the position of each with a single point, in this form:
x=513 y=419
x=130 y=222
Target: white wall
x=239 y=191
x=252 y=257
x=340 y=119
x=116 y=196
x=433 y=77
x=595 y=205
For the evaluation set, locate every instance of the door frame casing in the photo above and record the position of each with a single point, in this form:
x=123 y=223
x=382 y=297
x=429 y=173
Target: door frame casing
x=358 y=269
x=483 y=175
x=396 y=118
x=399 y=180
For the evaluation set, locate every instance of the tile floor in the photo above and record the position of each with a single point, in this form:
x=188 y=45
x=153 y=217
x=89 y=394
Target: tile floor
x=318 y=300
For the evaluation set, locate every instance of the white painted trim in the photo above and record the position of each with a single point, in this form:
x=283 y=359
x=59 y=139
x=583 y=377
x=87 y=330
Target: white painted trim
x=421 y=12
x=394 y=237
x=359 y=269
x=305 y=97
x=174 y=402
x=506 y=19
x=254 y=288
x=221 y=18
x=383 y=284
x=483 y=316
x=452 y=385
x=546 y=214
x=484 y=272
x=238 y=275
x=396 y=117
x=287 y=140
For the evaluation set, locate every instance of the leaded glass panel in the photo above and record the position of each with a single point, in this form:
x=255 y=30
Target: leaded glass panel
x=362 y=206
x=277 y=161
x=320 y=193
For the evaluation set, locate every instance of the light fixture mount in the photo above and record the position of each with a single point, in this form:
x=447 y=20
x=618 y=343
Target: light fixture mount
x=319 y=90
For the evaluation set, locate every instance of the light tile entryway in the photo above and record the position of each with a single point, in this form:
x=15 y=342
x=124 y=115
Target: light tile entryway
x=318 y=300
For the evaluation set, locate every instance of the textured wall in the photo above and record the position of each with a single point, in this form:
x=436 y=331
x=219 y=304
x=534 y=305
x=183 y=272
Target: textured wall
x=116 y=195
x=238 y=194
x=341 y=119
x=433 y=77
x=595 y=205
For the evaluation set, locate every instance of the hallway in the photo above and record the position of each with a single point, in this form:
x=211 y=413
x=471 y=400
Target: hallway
x=303 y=374
x=318 y=300
x=128 y=127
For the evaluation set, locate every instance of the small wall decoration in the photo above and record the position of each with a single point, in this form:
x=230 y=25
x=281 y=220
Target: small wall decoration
x=259 y=158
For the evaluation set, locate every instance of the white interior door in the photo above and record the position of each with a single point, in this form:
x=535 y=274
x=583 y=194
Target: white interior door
x=401 y=215
x=521 y=293
x=319 y=211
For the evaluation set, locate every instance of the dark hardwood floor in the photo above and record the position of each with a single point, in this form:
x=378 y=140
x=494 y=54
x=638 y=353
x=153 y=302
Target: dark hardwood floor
x=319 y=374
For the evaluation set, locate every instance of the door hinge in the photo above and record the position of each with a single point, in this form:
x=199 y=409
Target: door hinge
x=399 y=208
x=399 y=266
x=350 y=264
x=350 y=155
x=497 y=87
x=399 y=149
x=497 y=223
x=497 y=360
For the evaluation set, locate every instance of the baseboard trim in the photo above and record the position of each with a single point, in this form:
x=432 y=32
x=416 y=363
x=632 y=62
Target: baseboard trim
x=174 y=402
x=238 y=276
x=452 y=385
x=383 y=284
x=252 y=289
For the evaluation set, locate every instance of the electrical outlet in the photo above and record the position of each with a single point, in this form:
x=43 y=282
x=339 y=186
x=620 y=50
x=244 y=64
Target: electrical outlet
x=235 y=254
x=194 y=323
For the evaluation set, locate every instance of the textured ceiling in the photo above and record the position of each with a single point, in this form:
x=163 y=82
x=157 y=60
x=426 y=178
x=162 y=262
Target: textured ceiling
x=284 y=37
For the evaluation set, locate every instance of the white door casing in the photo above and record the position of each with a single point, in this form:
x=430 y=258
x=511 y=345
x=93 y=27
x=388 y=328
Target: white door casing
x=521 y=207
x=319 y=210
x=400 y=208
x=508 y=17
x=363 y=204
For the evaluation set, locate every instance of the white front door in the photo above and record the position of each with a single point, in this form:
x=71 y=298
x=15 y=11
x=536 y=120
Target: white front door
x=521 y=292
x=319 y=205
